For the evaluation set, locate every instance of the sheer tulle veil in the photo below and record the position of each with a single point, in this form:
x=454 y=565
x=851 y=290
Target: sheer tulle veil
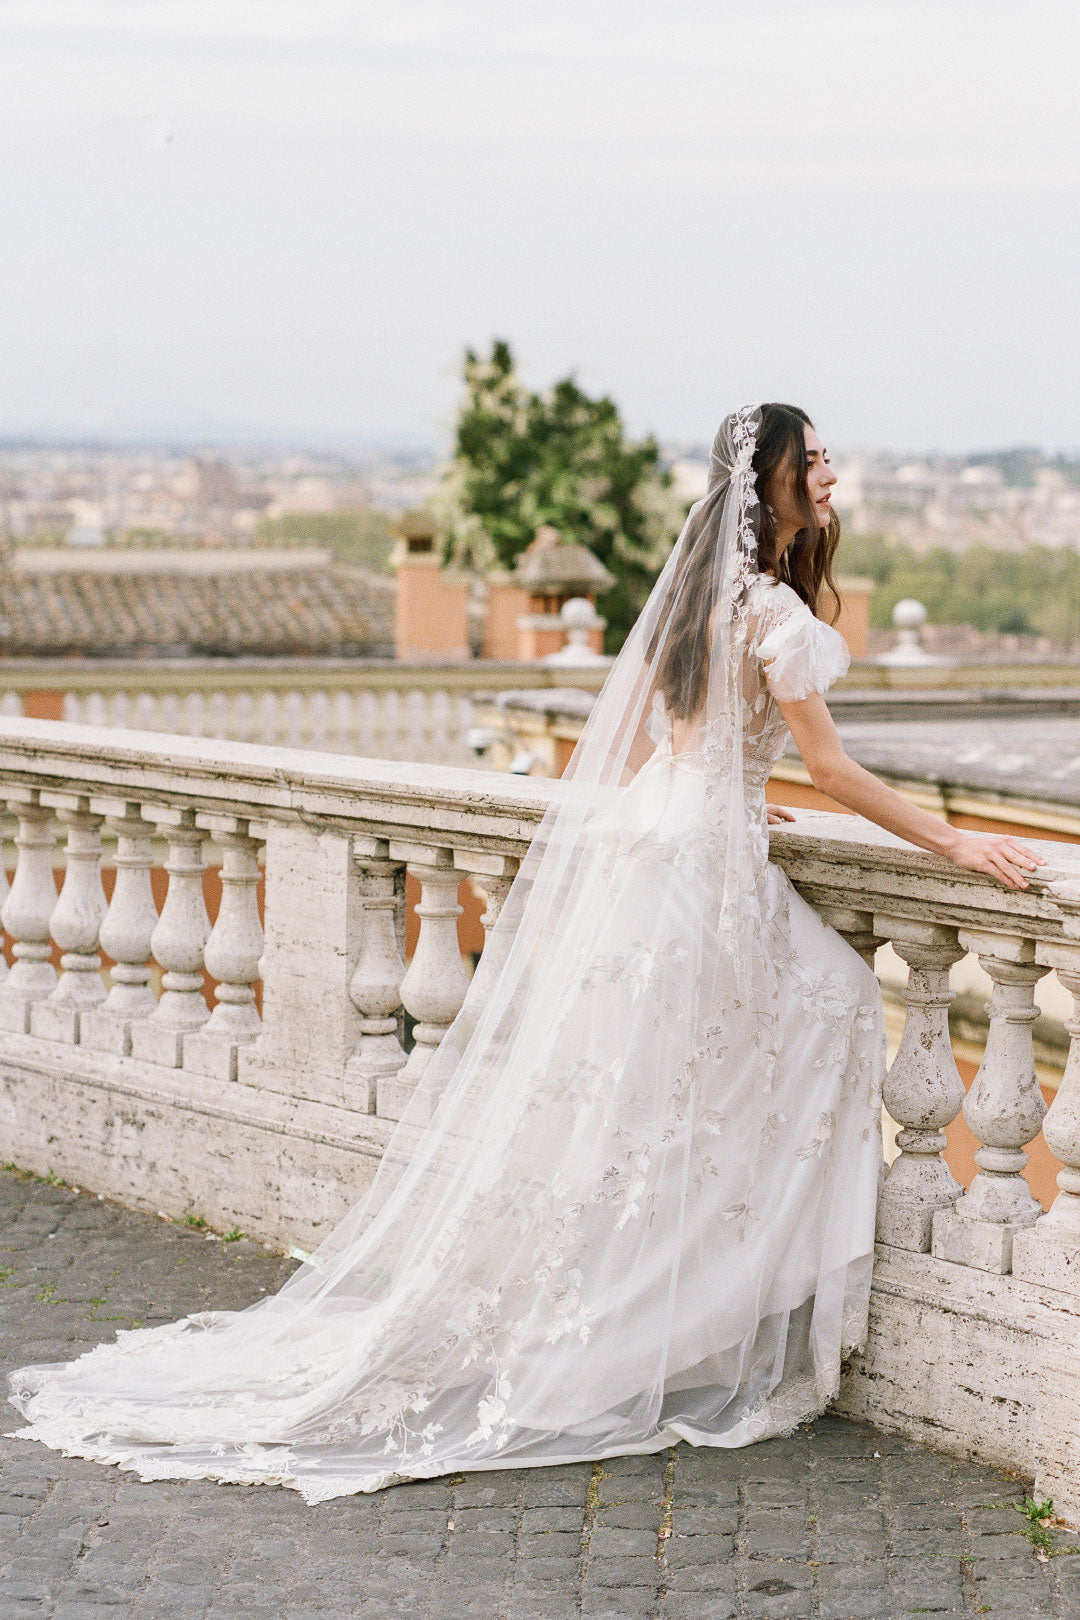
x=508 y=1289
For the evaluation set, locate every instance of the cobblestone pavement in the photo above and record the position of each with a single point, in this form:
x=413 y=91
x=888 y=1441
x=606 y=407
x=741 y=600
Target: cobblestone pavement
x=838 y=1520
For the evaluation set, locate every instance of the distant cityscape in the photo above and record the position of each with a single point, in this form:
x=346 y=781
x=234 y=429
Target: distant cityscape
x=88 y=497
x=54 y=495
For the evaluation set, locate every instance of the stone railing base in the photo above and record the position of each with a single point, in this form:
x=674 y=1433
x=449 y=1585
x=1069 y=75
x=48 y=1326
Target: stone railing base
x=283 y=1169
x=973 y=1365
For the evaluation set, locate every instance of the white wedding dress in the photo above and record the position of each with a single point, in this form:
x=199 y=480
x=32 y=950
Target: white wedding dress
x=649 y=1217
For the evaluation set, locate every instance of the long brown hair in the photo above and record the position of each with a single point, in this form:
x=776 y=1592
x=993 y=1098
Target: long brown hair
x=805 y=564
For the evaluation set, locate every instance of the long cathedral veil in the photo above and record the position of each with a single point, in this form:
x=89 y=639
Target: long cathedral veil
x=518 y=1284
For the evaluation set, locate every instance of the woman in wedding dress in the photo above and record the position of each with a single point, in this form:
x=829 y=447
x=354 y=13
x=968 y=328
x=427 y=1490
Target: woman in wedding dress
x=632 y=1199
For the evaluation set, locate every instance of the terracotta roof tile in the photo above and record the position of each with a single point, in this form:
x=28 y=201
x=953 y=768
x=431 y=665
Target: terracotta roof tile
x=329 y=609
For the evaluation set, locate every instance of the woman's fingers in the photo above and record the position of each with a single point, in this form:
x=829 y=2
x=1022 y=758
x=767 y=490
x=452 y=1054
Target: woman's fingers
x=1007 y=861
x=1024 y=856
x=1014 y=879
x=1003 y=858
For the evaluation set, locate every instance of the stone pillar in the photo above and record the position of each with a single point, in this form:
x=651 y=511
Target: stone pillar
x=1004 y=1109
x=435 y=983
x=75 y=924
x=126 y=932
x=232 y=953
x=1048 y=1253
x=27 y=910
x=492 y=875
x=375 y=987
x=179 y=940
x=5 y=890
x=923 y=1090
x=313 y=918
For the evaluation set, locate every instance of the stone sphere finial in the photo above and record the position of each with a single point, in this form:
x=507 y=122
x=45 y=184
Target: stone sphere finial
x=908 y=614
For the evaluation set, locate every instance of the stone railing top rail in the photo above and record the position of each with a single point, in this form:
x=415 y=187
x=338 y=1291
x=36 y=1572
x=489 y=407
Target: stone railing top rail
x=110 y=674
x=261 y=782
x=836 y=858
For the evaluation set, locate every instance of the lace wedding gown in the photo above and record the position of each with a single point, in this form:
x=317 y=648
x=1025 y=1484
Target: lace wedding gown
x=649 y=1218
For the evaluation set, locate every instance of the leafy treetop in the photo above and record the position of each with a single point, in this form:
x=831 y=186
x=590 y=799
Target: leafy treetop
x=558 y=457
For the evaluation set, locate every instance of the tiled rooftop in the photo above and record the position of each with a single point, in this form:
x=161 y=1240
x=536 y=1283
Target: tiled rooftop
x=309 y=605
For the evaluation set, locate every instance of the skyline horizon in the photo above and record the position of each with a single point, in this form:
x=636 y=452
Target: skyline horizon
x=254 y=443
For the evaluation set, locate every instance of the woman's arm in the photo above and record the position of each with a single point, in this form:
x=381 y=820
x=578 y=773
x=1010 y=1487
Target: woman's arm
x=834 y=773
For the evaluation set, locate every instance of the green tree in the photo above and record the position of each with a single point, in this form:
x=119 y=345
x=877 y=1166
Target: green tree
x=1029 y=592
x=360 y=537
x=522 y=459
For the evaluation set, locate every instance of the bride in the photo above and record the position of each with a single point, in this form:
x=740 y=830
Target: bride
x=632 y=1198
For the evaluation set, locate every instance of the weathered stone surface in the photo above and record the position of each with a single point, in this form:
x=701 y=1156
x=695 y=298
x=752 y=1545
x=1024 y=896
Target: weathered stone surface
x=953 y=1360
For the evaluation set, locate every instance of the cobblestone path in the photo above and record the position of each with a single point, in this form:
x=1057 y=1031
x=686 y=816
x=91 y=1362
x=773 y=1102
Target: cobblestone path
x=839 y=1520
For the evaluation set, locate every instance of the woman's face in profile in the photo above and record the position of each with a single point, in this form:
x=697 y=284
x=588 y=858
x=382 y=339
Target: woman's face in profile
x=785 y=499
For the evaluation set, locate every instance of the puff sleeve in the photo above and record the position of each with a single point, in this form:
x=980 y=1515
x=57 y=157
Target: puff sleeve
x=800 y=653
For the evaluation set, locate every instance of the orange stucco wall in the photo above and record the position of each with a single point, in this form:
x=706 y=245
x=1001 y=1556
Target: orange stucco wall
x=854 y=621
x=430 y=613
x=504 y=604
x=43 y=705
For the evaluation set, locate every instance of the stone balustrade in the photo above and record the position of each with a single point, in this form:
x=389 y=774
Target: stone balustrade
x=266 y=1103
x=383 y=708
x=403 y=722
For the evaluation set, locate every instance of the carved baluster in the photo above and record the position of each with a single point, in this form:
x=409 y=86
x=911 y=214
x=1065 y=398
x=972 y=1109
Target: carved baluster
x=126 y=932
x=145 y=716
x=27 y=910
x=1049 y=1252
x=367 y=725
x=922 y=1090
x=318 y=717
x=389 y=727
x=219 y=714
x=5 y=890
x=75 y=923
x=1004 y=1109
x=241 y=721
x=267 y=719
x=232 y=952
x=435 y=983
x=292 y=710
x=342 y=725
x=857 y=927
x=375 y=987
x=495 y=886
x=178 y=943
x=492 y=876
x=416 y=728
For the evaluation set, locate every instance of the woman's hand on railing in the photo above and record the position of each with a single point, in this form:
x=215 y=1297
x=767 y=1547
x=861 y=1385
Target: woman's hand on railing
x=777 y=813
x=996 y=853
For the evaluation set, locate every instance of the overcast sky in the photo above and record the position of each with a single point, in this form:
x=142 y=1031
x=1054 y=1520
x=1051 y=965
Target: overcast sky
x=284 y=219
